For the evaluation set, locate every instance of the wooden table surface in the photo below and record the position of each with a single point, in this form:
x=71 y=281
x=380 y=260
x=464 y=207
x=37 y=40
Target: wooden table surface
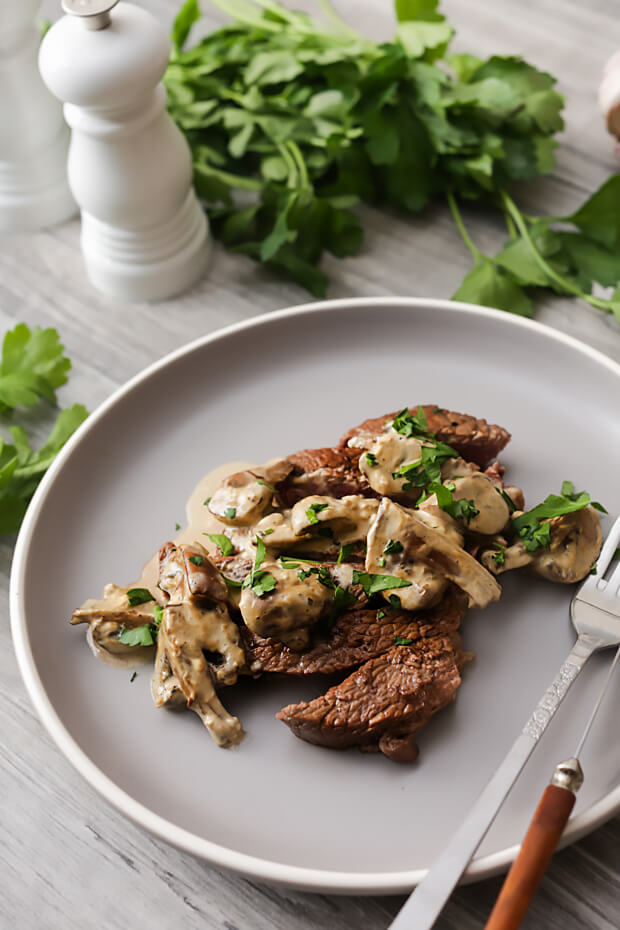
x=67 y=860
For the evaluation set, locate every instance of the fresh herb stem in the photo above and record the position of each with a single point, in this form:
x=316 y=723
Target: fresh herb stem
x=337 y=21
x=456 y=215
x=562 y=282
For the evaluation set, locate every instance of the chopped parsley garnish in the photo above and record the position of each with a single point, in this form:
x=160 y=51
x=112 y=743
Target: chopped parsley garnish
x=409 y=424
x=345 y=552
x=392 y=547
x=260 y=583
x=529 y=526
x=499 y=557
x=402 y=641
x=511 y=504
x=322 y=573
x=177 y=526
x=137 y=596
x=222 y=542
x=381 y=561
x=312 y=511
x=288 y=563
x=380 y=614
x=196 y=559
x=371 y=459
x=395 y=601
x=158 y=614
x=268 y=531
x=372 y=584
x=133 y=677
x=138 y=635
x=343 y=599
x=460 y=509
x=427 y=469
x=266 y=484
x=206 y=501
x=230 y=513
x=231 y=582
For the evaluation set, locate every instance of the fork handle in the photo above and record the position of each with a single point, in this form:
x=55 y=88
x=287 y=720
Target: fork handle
x=423 y=907
x=534 y=856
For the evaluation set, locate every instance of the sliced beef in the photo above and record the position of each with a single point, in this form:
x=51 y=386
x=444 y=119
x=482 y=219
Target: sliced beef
x=356 y=636
x=383 y=703
x=331 y=472
x=474 y=439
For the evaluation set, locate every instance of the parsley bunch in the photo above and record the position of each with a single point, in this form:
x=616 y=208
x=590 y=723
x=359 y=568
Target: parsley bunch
x=32 y=366
x=291 y=124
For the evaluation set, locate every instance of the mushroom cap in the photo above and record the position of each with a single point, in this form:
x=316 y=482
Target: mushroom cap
x=576 y=540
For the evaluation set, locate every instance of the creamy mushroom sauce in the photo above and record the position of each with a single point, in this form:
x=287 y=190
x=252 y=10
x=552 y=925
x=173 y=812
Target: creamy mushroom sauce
x=422 y=546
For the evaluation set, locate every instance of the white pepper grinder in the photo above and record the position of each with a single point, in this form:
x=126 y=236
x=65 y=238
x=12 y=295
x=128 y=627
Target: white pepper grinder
x=144 y=234
x=33 y=135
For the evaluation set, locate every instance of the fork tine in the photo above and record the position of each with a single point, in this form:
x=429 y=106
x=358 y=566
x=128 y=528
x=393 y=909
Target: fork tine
x=611 y=544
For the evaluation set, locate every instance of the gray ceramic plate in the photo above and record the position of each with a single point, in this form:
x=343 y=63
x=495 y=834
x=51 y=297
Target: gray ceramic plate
x=276 y=808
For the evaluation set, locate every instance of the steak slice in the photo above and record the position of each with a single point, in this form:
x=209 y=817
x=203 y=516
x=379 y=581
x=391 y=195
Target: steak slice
x=356 y=636
x=474 y=439
x=333 y=472
x=383 y=703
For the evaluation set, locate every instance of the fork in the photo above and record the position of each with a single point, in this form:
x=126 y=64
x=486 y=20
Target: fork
x=595 y=615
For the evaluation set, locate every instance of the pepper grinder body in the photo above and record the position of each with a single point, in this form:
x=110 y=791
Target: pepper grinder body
x=144 y=234
x=34 y=138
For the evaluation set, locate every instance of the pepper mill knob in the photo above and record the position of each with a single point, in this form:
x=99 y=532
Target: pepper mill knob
x=96 y=13
x=33 y=136
x=144 y=234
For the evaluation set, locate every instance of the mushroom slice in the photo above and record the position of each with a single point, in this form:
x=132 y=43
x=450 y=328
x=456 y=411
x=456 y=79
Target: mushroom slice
x=386 y=554
x=575 y=542
x=165 y=687
x=186 y=572
x=493 y=510
x=107 y=617
x=348 y=518
x=302 y=594
x=384 y=455
x=187 y=631
x=423 y=541
x=244 y=497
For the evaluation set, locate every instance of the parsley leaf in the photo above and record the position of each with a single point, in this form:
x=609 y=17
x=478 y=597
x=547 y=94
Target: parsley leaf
x=32 y=366
x=372 y=584
x=196 y=559
x=499 y=557
x=345 y=552
x=402 y=641
x=393 y=546
x=343 y=599
x=21 y=468
x=230 y=513
x=313 y=509
x=410 y=424
x=137 y=636
x=260 y=583
x=371 y=459
x=158 y=614
x=222 y=542
x=266 y=484
x=137 y=596
x=534 y=533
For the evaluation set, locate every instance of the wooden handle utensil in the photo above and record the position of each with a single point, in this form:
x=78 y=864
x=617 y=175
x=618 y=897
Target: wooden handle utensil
x=537 y=848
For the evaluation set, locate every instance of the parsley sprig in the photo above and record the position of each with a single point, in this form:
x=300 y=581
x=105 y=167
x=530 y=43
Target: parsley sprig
x=532 y=527
x=260 y=583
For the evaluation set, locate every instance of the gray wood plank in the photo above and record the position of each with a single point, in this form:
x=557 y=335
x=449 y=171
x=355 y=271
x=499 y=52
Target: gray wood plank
x=66 y=859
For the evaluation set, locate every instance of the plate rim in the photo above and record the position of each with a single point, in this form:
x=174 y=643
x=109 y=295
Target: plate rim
x=308 y=879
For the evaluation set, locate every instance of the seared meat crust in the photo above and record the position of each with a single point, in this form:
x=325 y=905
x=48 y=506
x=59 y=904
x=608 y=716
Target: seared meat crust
x=474 y=439
x=386 y=700
x=331 y=471
x=357 y=635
